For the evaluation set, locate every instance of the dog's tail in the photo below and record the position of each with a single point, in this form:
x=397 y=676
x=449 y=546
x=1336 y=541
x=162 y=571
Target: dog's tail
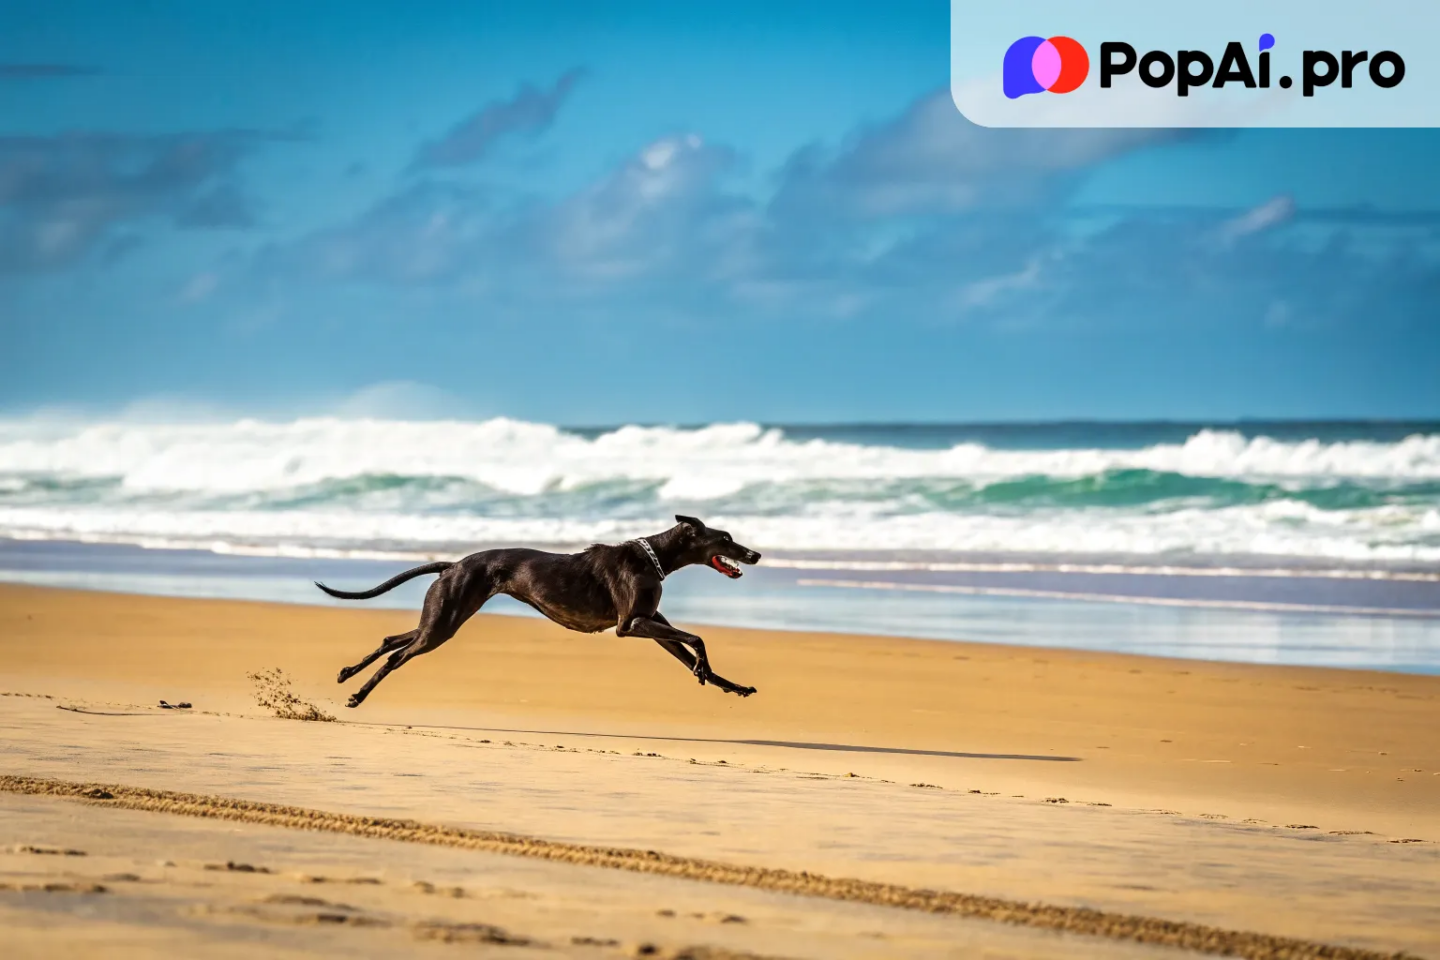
x=438 y=566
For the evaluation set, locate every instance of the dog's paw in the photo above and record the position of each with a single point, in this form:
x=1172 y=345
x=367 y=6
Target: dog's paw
x=744 y=691
x=354 y=701
x=345 y=674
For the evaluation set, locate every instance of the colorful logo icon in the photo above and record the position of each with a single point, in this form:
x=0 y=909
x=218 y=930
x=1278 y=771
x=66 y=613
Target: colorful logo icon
x=1035 y=65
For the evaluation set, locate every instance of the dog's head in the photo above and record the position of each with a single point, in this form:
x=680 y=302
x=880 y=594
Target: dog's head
x=714 y=548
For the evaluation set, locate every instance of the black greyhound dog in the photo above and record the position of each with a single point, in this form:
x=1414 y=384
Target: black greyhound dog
x=604 y=586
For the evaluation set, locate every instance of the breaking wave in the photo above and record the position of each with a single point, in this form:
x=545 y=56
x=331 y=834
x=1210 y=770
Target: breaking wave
x=359 y=486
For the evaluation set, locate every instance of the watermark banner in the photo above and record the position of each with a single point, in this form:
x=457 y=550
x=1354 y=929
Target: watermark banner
x=1222 y=63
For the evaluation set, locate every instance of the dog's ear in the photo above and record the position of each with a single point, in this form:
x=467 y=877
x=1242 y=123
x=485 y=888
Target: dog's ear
x=696 y=526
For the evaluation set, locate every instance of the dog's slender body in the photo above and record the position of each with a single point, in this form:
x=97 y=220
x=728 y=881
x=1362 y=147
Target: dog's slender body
x=602 y=587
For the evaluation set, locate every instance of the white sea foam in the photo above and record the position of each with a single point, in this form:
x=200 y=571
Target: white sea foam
x=529 y=458
x=1255 y=530
x=1268 y=606
x=259 y=486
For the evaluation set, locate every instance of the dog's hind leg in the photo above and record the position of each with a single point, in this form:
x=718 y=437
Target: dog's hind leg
x=424 y=642
x=448 y=603
x=390 y=643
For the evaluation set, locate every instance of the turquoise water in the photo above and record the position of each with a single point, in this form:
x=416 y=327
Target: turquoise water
x=1289 y=542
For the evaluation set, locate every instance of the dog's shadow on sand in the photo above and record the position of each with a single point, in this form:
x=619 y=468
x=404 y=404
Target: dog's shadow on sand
x=786 y=744
x=899 y=751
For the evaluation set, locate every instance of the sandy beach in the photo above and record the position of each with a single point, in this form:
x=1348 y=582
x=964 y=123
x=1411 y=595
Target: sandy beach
x=1051 y=477
x=947 y=784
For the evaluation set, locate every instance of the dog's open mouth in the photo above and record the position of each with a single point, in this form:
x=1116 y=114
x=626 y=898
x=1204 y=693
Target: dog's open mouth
x=725 y=566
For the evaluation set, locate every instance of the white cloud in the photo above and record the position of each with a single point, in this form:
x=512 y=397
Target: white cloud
x=529 y=113
x=654 y=207
x=931 y=160
x=1272 y=213
x=402 y=400
x=199 y=287
x=985 y=292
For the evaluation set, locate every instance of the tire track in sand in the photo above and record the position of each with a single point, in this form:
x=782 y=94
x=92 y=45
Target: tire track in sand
x=1080 y=920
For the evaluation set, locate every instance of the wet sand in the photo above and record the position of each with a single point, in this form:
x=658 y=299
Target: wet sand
x=1292 y=802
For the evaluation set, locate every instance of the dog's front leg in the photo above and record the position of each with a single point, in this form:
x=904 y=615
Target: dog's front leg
x=656 y=627
x=678 y=650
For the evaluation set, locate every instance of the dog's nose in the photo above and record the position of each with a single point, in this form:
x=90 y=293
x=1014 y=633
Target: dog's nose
x=754 y=557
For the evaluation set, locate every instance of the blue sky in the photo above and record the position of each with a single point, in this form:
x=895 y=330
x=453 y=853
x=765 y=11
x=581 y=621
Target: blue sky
x=666 y=213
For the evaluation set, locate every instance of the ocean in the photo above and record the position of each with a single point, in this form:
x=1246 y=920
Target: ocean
x=1263 y=541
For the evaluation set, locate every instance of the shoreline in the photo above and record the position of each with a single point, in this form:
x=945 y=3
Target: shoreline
x=1346 y=622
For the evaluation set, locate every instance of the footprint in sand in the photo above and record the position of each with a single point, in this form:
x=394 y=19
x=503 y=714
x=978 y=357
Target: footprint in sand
x=47 y=851
x=296 y=900
x=469 y=933
x=55 y=887
x=233 y=867
x=425 y=886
